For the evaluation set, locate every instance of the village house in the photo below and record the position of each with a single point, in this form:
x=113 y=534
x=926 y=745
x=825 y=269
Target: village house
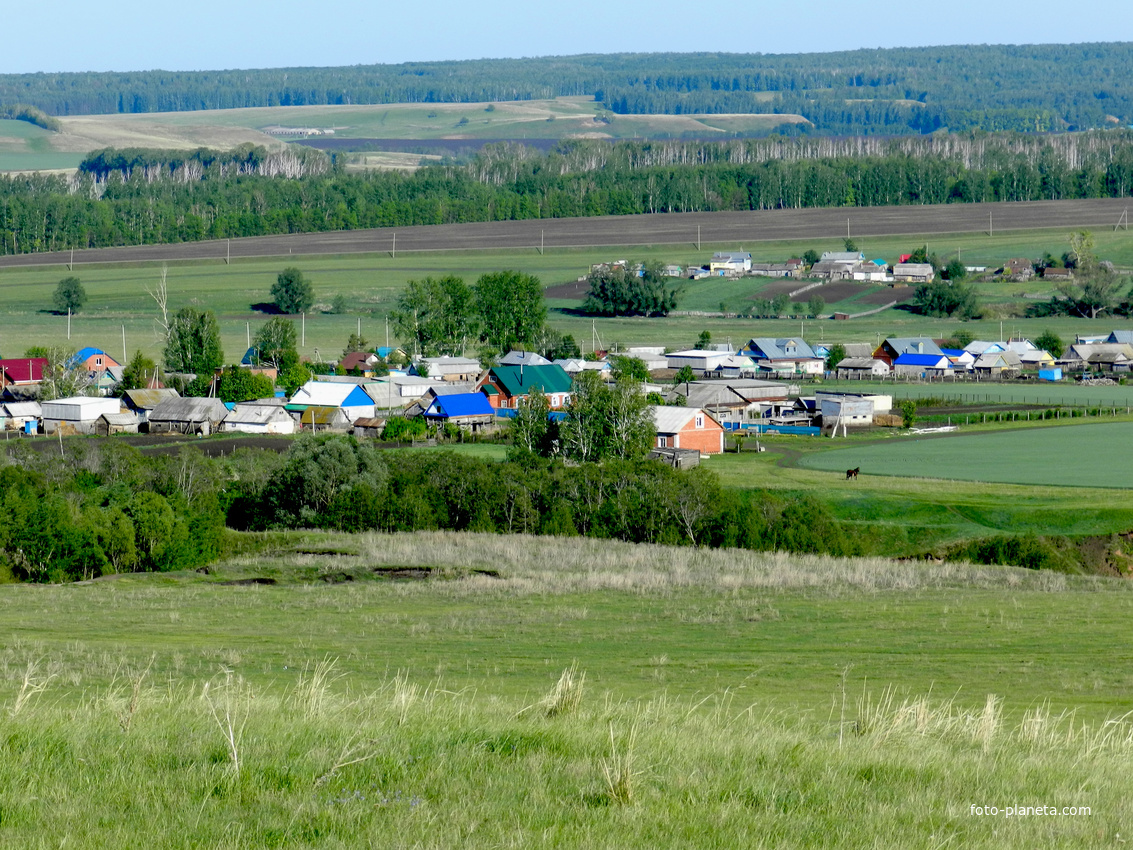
x=187 y=416
x=360 y=362
x=871 y=271
x=1020 y=269
x=733 y=400
x=448 y=369
x=962 y=361
x=507 y=386
x=775 y=270
x=687 y=428
x=21 y=416
x=524 y=358
x=922 y=365
x=786 y=355
x=893 y=347
x=1058 y=275
x=998 y=364
x=729 y=263
x=21 y=371
x=257 y=418
x=352 y=399
x=468 y=411
x=93 y=360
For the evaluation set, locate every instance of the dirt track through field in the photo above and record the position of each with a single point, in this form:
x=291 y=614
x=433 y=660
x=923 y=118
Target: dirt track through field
x=738 y=228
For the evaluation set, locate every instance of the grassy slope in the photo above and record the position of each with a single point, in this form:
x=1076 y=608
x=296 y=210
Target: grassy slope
x=391 y=713
x=371 y=283
x=553 y=119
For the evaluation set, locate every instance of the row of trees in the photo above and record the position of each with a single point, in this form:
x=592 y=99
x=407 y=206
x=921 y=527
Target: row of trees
x=582 y=178
x=443 y=316
x=636 y=289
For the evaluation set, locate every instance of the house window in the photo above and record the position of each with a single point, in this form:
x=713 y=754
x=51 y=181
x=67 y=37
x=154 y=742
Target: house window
x=554 y=401
x=700 y=422
x=662 y=442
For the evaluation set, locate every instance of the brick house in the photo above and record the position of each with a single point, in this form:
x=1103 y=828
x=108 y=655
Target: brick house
x=687 y=428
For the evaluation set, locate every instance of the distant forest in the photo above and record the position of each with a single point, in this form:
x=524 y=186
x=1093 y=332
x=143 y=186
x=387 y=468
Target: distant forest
x=131 y=197
x=900 y=91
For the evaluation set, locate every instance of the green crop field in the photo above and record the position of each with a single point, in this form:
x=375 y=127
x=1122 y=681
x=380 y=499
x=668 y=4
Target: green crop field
x=1066 y=393
x=587 y=693
x=1074 y=455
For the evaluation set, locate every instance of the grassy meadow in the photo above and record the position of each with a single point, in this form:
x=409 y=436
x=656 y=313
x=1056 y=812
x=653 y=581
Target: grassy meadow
x=574 y=692
x=371 y=284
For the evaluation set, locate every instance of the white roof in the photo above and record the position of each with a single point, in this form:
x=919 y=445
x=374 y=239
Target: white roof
x=257 y=414
x=322 y=393
x=80 y=401
x=671 y=419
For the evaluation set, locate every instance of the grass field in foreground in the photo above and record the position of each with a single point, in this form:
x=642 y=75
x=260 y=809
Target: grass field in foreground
x=176 y=711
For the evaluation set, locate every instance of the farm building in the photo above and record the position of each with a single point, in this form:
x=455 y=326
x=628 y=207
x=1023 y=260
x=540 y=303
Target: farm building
x=255 y=418
x=832 y=270
x=913 y=273
x=369 y=426
x=700 y=361
x=736 y=366
x=142 y=402
x=844 y=410
x=325 y=418
x=1019 y=269
x=393 y=390
x=687 y=428
x=187 y=416
x=1057 y=275
x=110 y=424
x=845 y=257
x=871 y=271
x=76 y=415
x=468 y=411
x=506 y=386
x=858 y=368
x=775 y=270
x=652 y=356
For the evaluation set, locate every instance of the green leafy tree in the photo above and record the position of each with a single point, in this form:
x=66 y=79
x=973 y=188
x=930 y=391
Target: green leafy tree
x=908 y=409
x=1091 y=297
x=530 y=428
x=835 y=356
x=69 y=296
x=116 y=535
x=63 y=376
x=943 y=298
x=239 y=384
x=275 y=342
x=138 y=373
x=436 y=315
x=815 y=305
x=1051 y=343
x=355 y=343
x=626 y=291
x=510 y=308
x=292 y=292
x=703 y=341
x=153 y=522
x=780 y=304
x=293 y=374
x=606 y=422
x=955 y=270
x=628 y=368
x=193 y=343
x=810 y=257
x=849 y=244
x=684 y=375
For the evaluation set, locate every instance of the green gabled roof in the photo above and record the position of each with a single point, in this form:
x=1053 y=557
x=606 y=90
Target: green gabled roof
x=550 y=379
x=489 y=390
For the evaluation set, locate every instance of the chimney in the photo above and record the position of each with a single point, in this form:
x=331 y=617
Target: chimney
x=920 y=348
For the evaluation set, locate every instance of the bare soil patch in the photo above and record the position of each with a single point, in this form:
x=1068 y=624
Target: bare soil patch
x=574 y=291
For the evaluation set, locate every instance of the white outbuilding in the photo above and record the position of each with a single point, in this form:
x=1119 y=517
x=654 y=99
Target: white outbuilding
x=76 y=415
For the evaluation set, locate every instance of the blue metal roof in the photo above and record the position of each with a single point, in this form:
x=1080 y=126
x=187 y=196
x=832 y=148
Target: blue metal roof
x=919 y=359
x=460 y=404
x=357 y=398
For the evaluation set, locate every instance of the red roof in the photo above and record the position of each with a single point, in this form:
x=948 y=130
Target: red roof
x=357 y=360
x=904 y=258
x=24 y=370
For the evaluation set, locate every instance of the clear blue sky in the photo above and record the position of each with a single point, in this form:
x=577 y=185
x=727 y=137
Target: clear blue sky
x=127 y=35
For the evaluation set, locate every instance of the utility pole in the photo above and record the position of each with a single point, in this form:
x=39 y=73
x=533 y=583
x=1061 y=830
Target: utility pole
x=124 y=355
x=248 y=333
x=540 y=243
x=698 y=237
x=68 y=323
x=393 y=251
x=990 y=225
x=228 y=252
x=303 y=333
x=71 y=265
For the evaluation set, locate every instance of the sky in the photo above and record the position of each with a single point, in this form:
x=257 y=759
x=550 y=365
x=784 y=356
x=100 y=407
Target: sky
x=128 y=35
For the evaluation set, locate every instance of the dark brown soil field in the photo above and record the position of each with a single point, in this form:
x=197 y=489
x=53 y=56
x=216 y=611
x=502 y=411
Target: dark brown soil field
x=660 y=229
x=568 y=291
